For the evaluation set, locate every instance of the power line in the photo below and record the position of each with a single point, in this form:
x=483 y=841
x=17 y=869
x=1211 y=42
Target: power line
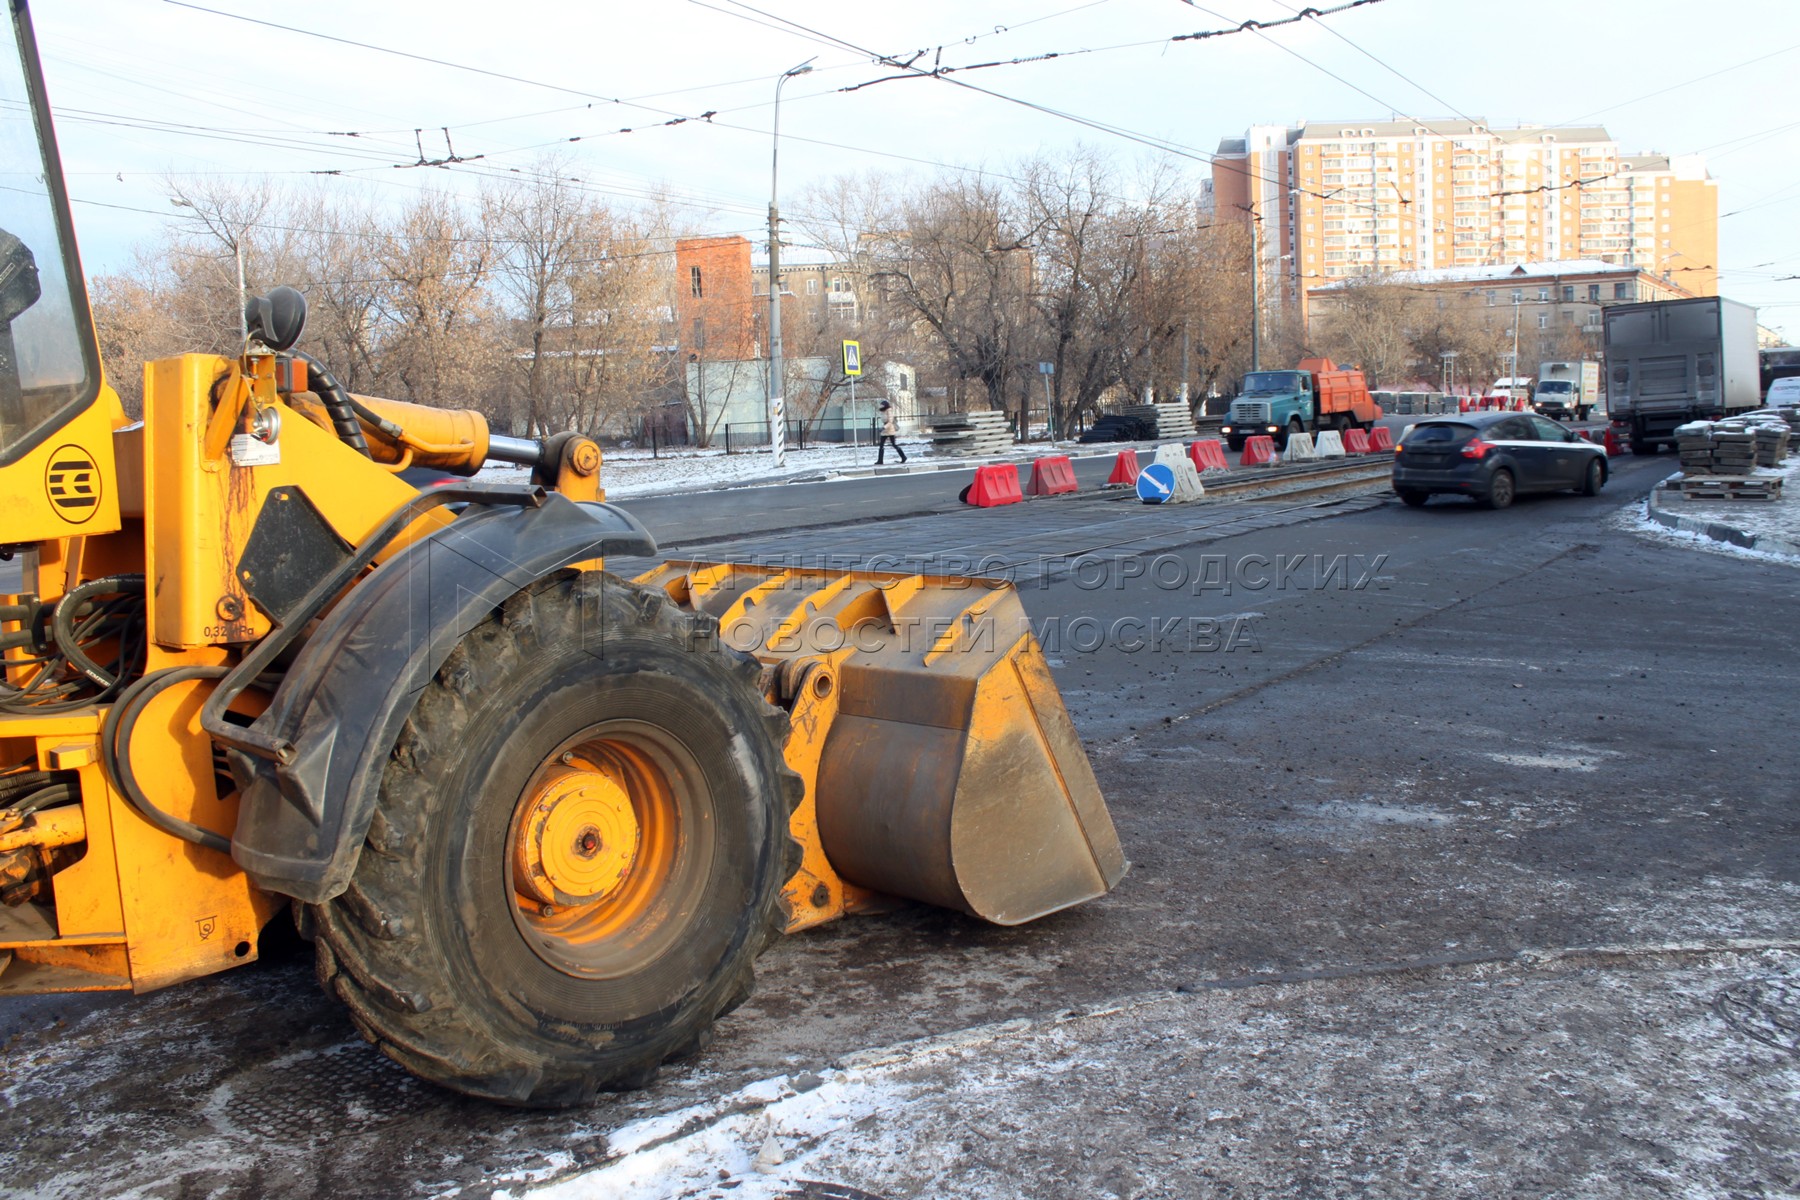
x=1686 y=83
x=424 y=58
x=1382 y=63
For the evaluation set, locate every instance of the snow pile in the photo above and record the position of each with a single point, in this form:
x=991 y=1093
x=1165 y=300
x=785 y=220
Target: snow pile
x=626 y=473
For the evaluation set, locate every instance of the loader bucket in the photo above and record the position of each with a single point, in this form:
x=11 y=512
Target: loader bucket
x=943 y=765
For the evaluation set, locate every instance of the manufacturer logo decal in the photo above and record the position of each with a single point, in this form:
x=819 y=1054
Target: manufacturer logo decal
x=72 y=482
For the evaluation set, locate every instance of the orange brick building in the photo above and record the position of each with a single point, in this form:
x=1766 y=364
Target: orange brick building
x=717 y=315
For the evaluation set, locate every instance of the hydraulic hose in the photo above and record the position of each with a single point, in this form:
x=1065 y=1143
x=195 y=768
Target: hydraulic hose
x=62 y=625
x=339 y=405
x=115 y=753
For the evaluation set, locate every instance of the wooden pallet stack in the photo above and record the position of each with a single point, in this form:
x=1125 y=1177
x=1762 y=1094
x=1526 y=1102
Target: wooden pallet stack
x=1731 y=459
x=970 y=434
x=1731 y=487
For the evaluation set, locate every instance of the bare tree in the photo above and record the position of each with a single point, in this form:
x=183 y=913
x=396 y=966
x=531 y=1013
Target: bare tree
x=958 y=265
x=337 y=243
x=1372 y=323
x=439 y=344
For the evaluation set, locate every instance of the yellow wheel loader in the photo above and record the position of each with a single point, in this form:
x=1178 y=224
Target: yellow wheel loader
x=538 y=820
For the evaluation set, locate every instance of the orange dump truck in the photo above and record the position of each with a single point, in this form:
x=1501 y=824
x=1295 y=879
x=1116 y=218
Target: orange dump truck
x=1315 y=396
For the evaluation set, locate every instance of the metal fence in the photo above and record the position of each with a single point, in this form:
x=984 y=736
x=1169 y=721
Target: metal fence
x=659 y=433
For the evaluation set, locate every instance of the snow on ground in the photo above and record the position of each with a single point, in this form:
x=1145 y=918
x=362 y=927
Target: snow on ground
x=1608 y=1072
x=636 y=472
x=1758 y=518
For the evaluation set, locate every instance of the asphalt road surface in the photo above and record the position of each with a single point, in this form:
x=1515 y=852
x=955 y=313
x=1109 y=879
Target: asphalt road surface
x=1452 y=834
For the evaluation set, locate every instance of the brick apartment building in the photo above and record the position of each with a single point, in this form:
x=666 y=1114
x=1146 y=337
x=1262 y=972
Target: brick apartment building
x=721 y=314
x=1337 y=199
x=717 y=314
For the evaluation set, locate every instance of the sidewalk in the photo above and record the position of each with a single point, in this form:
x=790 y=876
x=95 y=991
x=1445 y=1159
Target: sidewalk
x=1763 y=526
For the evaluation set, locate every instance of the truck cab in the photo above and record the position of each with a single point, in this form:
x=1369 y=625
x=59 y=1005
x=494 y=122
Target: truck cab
x=1270 y=404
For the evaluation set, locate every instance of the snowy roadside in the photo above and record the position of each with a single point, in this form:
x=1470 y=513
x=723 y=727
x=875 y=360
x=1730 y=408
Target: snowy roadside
x=1763 y=530
x=1611 y=1072
x=635 y=473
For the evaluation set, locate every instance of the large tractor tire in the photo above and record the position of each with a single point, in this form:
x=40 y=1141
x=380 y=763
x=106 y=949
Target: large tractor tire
x=578 y=851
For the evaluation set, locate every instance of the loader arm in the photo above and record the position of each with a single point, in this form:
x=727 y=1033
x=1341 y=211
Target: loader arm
x=540 y=820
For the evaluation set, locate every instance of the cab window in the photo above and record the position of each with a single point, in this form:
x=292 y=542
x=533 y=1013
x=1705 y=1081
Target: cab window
x=49 y=370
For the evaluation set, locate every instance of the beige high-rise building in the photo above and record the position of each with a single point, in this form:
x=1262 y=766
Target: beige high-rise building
x=1340 y=198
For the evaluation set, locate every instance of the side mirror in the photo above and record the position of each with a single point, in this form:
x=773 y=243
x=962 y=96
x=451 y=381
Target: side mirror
x=19 y=286
x=277 y=319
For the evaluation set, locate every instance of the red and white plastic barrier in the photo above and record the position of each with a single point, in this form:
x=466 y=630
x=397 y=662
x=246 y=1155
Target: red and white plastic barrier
x=994 y=486
x=1053 y=475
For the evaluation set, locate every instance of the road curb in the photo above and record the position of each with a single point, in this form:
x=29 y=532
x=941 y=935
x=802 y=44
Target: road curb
x=1718 y=531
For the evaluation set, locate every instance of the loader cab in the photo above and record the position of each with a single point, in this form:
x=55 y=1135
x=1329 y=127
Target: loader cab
x=50 y=372
x=49 y=367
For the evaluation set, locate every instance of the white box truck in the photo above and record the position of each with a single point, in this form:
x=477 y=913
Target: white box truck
x=1567 y=391
x=1674 y=361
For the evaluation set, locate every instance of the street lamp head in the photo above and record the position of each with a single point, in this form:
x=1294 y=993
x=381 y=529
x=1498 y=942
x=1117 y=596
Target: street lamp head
x=802 y=69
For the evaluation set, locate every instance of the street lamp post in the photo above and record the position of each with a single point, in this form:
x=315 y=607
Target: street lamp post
x=237 y=249
x=1255 y=290
x=1510 y=391
x=777 y=402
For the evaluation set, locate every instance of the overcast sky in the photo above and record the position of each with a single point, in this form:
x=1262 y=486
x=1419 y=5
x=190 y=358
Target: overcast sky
x=145 y=89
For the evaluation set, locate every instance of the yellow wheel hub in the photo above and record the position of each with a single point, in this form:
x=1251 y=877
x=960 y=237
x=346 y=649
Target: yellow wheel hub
x=576 y=838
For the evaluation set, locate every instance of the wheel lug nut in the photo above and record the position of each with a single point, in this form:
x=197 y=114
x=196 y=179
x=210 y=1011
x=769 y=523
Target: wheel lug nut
x=546 y=910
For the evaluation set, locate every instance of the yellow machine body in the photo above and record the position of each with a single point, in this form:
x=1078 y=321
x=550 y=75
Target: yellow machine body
x=940 y=764
x=938 y=761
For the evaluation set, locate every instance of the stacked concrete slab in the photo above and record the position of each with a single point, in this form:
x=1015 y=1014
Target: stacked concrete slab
x=1173 y=418
x=971 y=433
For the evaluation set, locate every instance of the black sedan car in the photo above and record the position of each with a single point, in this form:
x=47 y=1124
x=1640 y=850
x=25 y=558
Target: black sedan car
x=1494 y=457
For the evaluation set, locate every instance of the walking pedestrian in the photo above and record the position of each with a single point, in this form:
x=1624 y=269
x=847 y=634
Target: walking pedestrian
x=890 y=433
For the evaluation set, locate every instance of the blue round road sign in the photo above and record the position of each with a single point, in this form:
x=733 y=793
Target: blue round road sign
x=1156 y=483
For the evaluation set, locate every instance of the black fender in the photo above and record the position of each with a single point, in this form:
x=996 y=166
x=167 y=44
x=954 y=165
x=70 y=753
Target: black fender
x=341 y=705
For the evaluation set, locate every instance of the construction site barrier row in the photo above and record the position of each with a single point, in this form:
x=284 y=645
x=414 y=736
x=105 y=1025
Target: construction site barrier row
x=994 y=486
x=1259 y=451
x=1125 y=470
x=1208 y=454
x=1053 y=475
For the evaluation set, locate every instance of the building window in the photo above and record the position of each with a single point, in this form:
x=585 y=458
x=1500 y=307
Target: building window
x=1543 y=320
x=812 y=286
x=1518 y=295
x=1622 y=291
x=1543 y=294
x=1568 y=293
x=694 y=283
x=1593 y=293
